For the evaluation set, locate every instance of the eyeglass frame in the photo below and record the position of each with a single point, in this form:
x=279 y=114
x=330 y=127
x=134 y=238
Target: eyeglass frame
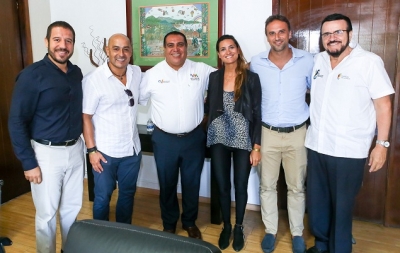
x=337 y=33
x=131 y=101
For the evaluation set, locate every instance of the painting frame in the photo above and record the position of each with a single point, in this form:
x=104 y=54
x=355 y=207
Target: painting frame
x=215 y=26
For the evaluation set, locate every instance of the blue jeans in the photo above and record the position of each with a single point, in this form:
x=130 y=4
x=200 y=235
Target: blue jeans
x=125 y=170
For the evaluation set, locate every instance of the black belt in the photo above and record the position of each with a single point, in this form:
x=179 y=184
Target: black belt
x=64 y=143
x=283 y=129
x=178 y=135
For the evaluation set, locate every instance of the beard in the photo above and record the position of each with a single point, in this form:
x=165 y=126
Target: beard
x=336 y=53
x=59 y=60
x=279 y=48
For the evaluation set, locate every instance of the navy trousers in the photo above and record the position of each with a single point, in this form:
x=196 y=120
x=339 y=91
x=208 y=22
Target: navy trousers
x=332 y=185
x=174 y=154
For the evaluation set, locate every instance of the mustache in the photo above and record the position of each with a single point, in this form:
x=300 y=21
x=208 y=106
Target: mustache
x=334 y=41
x=62 y=50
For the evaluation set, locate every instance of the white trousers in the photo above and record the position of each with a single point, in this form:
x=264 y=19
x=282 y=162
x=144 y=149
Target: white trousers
x=61 y=189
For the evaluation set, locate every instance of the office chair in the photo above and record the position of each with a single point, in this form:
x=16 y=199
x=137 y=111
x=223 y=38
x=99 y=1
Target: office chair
x=4 y=241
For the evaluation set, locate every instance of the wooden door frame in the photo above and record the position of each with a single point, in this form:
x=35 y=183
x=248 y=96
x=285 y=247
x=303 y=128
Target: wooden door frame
x=276 y=7
x=25 y=31
x=17 y=44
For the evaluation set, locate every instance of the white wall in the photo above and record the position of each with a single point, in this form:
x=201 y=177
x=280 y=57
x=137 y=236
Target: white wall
x=246 y=21
x=94 y=20
x=39 y=14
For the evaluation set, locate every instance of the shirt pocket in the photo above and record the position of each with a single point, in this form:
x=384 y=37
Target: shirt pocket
x=194 y=89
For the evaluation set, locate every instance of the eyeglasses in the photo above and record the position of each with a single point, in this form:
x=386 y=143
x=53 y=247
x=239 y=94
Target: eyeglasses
x=337 y=33
x=131 y=102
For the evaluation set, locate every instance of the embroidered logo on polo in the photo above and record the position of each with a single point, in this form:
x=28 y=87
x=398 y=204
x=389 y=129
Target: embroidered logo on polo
x=163 y=81
x=317 y=74
x=194 y=77
x=341 y=76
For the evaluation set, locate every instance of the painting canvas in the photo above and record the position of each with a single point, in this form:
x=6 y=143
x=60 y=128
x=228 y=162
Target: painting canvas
x=197 y=20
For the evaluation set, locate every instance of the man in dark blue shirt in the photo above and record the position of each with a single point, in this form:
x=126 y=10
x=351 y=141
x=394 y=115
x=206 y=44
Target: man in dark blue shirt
x=45 y=125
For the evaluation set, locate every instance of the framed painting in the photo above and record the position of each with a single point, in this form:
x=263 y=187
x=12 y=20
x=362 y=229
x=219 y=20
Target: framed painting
x=149 y=20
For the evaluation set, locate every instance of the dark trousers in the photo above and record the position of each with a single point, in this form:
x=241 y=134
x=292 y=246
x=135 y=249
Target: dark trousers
x=175 y=154
x=125 y=170
x=332 y=185
x=221 y=169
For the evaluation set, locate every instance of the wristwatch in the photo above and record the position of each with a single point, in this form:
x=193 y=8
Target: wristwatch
x=386 y=144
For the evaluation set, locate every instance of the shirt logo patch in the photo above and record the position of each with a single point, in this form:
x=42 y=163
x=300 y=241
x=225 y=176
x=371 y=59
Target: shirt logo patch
x=341 y=76
x=317 y=74
x=194 y=77
x=163 y=81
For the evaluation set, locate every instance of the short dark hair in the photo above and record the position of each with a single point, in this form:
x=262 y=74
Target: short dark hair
x=174 y=33
x=62 y=24
x=338 y=16
x=279 y=17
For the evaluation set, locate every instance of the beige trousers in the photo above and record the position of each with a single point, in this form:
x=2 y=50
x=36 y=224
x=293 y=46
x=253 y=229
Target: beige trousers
x=289 y=149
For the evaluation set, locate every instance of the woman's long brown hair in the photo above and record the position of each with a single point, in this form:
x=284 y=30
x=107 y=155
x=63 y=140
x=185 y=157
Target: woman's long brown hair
x=241 y=68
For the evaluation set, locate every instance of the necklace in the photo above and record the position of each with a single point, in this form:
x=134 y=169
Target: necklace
x=119 y=76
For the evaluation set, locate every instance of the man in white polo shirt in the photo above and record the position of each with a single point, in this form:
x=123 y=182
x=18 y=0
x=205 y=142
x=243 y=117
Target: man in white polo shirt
x=176 y=87
x=110 y=95
x=350 y=98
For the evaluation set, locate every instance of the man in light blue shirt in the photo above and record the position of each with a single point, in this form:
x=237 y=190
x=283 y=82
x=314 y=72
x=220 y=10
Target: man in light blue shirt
x=285 y=74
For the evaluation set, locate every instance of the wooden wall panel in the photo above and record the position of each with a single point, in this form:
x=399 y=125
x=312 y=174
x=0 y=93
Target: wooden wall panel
x=376 y=29
x=392 y=203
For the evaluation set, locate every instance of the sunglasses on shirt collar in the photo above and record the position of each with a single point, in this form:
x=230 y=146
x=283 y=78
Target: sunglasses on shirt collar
x=131 y=101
